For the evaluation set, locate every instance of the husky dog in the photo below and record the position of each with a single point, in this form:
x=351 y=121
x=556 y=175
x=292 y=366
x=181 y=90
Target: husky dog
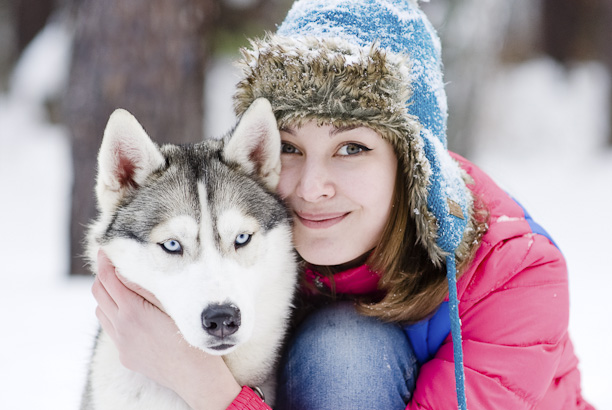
x=200 y=227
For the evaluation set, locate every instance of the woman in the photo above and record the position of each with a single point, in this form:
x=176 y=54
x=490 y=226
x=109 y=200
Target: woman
x=383 y=216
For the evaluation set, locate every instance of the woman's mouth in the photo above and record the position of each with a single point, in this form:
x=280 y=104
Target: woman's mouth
x=319 y=221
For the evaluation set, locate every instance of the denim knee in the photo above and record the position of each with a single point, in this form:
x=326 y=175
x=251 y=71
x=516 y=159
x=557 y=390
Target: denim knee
x=341 y=359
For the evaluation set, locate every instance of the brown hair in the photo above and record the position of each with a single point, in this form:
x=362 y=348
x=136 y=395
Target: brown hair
x=413 y=278
x=413 y=285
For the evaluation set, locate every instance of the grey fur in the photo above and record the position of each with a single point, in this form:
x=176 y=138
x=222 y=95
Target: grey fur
x=172 y=190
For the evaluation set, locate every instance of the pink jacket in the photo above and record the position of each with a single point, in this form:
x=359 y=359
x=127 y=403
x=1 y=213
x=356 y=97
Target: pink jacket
x=514 y=309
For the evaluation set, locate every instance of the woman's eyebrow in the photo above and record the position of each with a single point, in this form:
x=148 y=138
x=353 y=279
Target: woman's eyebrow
x=288 y=130
x=338 y=130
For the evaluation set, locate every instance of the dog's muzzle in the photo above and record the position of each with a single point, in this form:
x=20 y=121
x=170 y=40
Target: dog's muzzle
x=221 y=320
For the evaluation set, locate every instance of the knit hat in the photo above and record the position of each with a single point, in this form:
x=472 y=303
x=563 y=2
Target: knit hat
x=375 y=63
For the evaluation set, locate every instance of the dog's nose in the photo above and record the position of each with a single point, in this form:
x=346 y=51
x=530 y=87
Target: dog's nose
x=221 y=320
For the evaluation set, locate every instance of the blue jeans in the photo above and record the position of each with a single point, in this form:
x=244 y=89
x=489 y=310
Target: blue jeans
x=339 y=359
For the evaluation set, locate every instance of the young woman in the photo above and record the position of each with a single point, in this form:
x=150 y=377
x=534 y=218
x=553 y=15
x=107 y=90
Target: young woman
x=406 y=246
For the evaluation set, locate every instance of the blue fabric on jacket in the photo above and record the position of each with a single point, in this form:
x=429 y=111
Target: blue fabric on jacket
x=427 y=336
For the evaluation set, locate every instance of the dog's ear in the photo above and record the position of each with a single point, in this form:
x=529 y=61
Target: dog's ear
x=255 y=143
x=127 y=156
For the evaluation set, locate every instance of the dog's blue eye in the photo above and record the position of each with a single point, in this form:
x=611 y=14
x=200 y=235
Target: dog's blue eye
x=242 y=239
x=172 y=246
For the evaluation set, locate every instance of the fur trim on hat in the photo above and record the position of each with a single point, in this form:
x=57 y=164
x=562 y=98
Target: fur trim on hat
x=337 y=83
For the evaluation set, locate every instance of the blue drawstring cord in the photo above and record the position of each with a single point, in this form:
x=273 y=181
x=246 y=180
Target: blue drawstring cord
x=451 y=277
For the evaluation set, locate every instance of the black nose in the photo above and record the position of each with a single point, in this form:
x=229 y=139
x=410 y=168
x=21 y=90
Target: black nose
x=221 y=320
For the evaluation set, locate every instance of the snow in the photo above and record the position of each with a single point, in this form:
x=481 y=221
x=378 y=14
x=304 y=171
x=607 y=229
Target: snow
x=544 y=142
x=541 y=136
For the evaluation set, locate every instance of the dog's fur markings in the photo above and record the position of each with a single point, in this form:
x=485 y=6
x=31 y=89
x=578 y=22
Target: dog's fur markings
x=201 y=228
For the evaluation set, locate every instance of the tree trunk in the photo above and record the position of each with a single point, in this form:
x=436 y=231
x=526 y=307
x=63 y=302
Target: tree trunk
x=579 y=30
x=32 y=15
x=604 y=45
x=147 y=56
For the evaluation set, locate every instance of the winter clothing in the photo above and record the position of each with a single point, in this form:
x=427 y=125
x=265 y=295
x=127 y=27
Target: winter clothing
x=377 y=63
x=514 y=308
x=340 y=359
x=248 y=400
x=374 y=63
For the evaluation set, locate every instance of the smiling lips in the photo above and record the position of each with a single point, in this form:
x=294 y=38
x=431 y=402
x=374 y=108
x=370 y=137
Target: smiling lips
x=320 y=221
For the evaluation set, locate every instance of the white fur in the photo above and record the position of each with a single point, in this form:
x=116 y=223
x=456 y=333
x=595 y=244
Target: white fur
x=259 y=278
x=124 y=141
x=257 y=137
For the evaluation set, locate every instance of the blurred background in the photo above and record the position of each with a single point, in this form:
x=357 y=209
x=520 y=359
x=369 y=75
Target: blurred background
x=529 y=87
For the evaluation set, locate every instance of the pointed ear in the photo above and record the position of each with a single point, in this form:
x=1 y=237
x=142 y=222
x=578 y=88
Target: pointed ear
x=127 y=156
x=255 y=143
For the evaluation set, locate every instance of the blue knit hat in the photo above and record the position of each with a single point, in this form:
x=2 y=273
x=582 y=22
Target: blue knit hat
x=375 y=63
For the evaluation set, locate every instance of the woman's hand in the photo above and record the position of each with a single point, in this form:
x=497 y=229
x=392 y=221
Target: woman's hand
x=150 y=343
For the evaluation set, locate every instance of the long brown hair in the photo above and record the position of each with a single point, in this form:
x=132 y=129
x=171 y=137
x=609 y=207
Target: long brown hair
x=413 y=285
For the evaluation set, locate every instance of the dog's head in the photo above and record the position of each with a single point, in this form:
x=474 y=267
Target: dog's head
x=200 y=227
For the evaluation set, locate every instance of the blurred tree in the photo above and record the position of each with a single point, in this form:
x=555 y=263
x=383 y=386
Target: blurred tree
x=20 y=21
x=7 y=42
x=604 y=45
x=472 y=34
x=31 y=16
x=149 y=57
x=479 y=35
x=243 y=19
x=146 y=56
x=574 y=30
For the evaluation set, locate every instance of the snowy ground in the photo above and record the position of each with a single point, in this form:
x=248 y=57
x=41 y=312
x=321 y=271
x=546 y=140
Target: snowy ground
x=541 y=138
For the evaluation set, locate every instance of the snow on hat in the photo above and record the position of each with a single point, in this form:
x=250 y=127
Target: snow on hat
x=375 y=63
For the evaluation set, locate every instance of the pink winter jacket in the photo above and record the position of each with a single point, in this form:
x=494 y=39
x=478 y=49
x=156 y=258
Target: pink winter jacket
x=514 y=309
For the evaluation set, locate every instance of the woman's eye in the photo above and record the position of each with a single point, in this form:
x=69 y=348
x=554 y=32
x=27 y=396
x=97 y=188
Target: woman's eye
x=288 y=149
x=172 y=246
x=242 y=240
x=352 y=149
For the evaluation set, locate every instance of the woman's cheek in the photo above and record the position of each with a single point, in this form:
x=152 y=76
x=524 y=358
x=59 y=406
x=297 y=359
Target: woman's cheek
x=285 y=182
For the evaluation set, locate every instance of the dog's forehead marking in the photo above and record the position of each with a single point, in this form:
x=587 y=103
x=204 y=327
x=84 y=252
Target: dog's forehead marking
x=182 y=228
x=207 y=233
x=232 y=222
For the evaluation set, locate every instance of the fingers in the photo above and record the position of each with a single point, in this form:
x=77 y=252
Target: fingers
x=121 y=291
x=105 y=301
x=114 y=287
x=107 y=276
x=148 y=296
x=105 y=322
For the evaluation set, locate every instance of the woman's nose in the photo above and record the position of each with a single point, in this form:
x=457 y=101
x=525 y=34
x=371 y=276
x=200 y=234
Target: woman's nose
x=315 y=183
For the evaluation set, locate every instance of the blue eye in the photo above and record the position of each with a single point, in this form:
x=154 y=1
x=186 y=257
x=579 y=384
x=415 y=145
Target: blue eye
x=242 y=240
x=172 y=246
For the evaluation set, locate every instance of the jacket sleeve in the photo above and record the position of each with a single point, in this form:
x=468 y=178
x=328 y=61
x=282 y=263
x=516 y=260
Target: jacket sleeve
x=248 y=400
x=514 y=309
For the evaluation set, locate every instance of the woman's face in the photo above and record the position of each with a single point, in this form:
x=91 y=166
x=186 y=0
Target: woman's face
x=339 y=183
